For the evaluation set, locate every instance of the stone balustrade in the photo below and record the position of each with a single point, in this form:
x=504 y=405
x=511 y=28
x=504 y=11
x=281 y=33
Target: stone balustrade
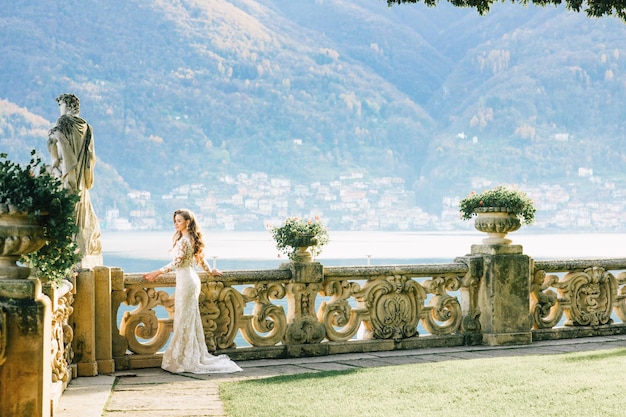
x=304 y=309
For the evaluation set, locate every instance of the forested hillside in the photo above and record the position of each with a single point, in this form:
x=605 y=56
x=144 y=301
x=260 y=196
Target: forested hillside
x=181 y=92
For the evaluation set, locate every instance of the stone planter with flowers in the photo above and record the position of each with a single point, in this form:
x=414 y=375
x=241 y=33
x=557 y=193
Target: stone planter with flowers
x=301 y=240
x=498 y=211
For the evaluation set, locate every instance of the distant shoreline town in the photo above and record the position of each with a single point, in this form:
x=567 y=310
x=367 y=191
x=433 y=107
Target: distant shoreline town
x=250 y=202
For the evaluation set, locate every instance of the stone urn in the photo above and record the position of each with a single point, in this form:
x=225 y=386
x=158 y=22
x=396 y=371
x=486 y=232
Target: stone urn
x=19 y=235
x=496 y=222
x=302 y=245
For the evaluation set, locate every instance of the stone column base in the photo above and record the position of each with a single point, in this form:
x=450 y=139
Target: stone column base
x=87 y=368
x=507 y=339
x=106 y=366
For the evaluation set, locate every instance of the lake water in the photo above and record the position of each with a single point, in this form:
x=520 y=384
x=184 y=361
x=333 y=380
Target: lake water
x=145 y=251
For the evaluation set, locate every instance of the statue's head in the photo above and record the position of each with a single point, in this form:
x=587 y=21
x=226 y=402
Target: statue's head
x=71 y=101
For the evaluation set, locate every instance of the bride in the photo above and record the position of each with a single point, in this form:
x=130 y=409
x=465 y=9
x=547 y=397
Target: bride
x=187 y=351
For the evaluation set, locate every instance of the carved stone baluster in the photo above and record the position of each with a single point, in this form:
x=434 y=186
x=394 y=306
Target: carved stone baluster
x=443 y=314
x=302 y=324
x=339 y=318
x=545 y=307
x=395 y=304
x=62 y=333
x=590 y=293
x=267 y=318
x=221 y=309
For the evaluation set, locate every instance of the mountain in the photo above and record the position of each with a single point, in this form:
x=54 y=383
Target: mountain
x=187 y=92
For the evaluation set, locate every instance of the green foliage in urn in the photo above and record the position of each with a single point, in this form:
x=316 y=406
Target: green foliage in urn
x=297 y=233
x=500 y=198
x=32 y=189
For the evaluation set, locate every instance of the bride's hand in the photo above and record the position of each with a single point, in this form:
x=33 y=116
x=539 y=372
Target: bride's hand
x=216 y=272
x=151 y=276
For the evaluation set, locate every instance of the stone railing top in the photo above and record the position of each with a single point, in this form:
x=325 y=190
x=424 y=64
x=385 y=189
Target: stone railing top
x=232 y=277
x=425 y=270
x=558 y=265
x=284 y=274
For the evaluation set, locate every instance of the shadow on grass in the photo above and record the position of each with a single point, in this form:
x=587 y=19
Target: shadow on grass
x=313 y=375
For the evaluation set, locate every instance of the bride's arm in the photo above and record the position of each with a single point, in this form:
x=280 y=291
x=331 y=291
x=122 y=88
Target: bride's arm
x=179 y=253
x=203 y=263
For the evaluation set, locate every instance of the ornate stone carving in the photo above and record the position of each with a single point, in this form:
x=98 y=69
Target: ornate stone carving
x=19 y=234
x=395 y=305
x=545 y=306
x=585 y=297
x=496 y=224
x=302 y=324
x=266 y=318
x=221 y=310
x=142 y=323
x=62 y=336
x=339 y=318
x=442 y=308
x=590 y=295
x=470 y=322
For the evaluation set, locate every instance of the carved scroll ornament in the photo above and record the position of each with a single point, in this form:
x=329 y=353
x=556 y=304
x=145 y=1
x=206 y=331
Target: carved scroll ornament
x=339 y=318
x=143 y=323
x=268 y=323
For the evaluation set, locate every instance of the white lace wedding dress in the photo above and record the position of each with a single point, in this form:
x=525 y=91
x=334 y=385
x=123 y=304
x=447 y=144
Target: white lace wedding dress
x=187 y=351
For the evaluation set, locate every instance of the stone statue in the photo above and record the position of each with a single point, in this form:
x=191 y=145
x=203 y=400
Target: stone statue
x=70 y=143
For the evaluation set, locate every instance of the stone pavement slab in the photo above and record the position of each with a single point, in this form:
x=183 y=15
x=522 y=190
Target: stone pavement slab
x=85 y=397
x=191 y=398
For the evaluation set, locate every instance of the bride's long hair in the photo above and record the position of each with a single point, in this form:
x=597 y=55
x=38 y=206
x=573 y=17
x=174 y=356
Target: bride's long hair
x=194 y=231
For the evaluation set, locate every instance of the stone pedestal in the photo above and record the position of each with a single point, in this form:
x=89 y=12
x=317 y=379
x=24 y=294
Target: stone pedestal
x=503 y=295
x=25 y=349
x=302 y=324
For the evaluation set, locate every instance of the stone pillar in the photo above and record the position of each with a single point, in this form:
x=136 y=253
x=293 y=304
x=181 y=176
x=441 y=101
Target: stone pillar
x=504 y=295
x=103 y=335
x=85 y=324
x=25 y=349
x=302 y=324
x=118 y=342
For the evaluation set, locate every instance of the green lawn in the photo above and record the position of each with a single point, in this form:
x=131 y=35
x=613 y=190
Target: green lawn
x=575 y=384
